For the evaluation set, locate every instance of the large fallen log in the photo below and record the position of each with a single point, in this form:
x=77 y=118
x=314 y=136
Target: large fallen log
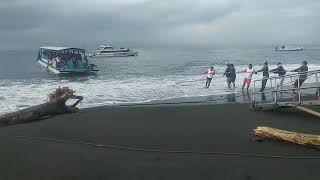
x=56 y=105
x=288 y=136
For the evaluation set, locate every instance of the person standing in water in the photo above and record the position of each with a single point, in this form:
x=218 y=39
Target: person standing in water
x=303 y=69
x=248 y=77
x=210 y=72
x=232 y=75
x=227 y=73
x=281 y=72
x=265 y=75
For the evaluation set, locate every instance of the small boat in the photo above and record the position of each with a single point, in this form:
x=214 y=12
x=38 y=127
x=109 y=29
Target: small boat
x=65 y=60
x=109 y=51
x=288 y=48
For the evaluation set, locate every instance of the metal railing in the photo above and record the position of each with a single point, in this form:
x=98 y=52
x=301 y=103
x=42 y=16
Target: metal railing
x=277 y=88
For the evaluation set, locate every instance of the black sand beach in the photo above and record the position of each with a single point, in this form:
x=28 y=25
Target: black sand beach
x=202 y=127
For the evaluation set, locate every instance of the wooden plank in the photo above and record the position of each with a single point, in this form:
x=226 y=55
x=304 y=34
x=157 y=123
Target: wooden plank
x=291 y=103
x=308 y=110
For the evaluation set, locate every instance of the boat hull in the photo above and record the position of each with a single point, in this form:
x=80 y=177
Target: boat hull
x=289 y=49
x=117 y=54
x=56 y=71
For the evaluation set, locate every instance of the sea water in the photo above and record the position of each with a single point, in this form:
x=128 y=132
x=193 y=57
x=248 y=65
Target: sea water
x=157 y=74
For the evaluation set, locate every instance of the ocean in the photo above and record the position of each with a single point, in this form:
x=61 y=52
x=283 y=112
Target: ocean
x=157 y=74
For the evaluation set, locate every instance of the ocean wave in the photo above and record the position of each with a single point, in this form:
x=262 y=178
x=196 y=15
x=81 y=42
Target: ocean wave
x=18 y=94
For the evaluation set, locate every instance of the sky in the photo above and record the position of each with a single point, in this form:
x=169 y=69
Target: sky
x=195 y=23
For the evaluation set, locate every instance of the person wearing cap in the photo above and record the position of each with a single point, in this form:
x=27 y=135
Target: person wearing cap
x=209 y=72
x=265 y=75
x=281 y=72
x=302 y=70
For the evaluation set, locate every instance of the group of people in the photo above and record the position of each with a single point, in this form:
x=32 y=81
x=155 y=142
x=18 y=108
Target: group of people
x=230 y=74
x=70 y=55
x=61 y=59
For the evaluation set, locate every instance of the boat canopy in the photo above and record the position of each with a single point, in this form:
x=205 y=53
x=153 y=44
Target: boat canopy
x=55 y=48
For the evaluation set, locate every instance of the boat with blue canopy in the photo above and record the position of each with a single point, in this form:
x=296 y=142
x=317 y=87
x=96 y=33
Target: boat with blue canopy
x=65 y=60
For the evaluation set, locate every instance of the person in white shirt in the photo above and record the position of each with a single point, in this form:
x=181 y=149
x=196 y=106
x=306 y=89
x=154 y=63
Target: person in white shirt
x=210 y=72
x=248 y=77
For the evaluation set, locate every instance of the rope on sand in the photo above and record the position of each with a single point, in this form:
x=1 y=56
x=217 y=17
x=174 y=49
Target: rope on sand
x=106 y=146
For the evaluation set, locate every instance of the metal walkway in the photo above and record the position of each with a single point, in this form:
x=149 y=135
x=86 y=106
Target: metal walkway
x=283 y=94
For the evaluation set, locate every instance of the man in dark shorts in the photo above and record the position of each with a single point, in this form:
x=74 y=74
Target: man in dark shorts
x=227 y=73
x=265 y=75
x=303 y=69
x=232 y=76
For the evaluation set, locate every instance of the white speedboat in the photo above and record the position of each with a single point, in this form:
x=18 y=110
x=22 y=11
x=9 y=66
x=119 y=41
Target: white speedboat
x=288 y=48
x=109 y=51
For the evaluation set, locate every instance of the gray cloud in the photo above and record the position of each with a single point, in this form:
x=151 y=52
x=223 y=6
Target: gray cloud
x=34 y=23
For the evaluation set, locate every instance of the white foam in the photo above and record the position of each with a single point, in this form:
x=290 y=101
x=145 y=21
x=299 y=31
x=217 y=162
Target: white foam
x=19 y=94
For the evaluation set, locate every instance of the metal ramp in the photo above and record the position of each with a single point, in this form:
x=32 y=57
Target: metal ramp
x=285 y=95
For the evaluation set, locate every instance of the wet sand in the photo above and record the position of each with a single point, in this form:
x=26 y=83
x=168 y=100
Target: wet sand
x=201 y=127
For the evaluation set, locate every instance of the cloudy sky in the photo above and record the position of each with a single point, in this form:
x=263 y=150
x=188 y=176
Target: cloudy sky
x=32 y=23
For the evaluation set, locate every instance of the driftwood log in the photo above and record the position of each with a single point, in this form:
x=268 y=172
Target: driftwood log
x=56 y=105
x=288 y=136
